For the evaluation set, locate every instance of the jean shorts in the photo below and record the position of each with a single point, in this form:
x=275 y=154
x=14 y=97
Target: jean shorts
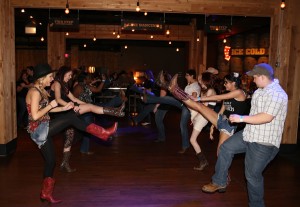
x=223 y=125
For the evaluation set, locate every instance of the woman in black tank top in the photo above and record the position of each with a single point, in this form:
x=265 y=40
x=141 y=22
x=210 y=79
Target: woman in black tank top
x=233 y=102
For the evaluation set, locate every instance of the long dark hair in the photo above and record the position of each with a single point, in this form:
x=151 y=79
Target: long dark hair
x=209 y=80
x=234 y=77
x=59 y=77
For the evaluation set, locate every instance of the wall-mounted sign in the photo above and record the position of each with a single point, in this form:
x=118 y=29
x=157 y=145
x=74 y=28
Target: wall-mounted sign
x=226 y=53
x=249 y=51
x=217 y=28
x=142 y=26
x=64 y=24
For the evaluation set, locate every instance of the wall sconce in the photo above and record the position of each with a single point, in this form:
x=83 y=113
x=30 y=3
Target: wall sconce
x=282 y=5
x=91 y=69
x=138 y=6
x=30 y=28
x=67 y=11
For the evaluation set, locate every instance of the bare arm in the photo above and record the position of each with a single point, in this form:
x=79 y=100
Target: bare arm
x=260 y=118
x=238 y=94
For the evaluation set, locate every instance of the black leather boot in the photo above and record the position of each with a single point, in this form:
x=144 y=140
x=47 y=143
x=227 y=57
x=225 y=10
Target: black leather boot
x=202 y=162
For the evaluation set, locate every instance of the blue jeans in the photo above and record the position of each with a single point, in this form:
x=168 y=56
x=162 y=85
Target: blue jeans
x=257 y=157
x=185 y=115
x=144 y=112
x=184 y=120
x=169 y=100
x=159 y=120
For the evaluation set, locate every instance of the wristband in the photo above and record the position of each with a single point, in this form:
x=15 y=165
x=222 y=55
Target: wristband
x=241 y=119
x=198 y=98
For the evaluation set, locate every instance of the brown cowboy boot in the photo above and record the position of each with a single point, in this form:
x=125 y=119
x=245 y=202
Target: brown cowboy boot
x=65 y=166
x=47 y=191
x=115 y=111
x=202 y=162
x=212 y=188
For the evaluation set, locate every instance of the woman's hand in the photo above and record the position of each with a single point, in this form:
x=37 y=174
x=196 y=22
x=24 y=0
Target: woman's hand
x=211 y=132
x=68 y=106
x=53 y=103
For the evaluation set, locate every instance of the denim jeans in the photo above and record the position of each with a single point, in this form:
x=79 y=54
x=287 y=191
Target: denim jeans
x=159 y=120
x=169 y=100
x=184 y=120
x=185 y=115
x=144 y=113
x=257 y=157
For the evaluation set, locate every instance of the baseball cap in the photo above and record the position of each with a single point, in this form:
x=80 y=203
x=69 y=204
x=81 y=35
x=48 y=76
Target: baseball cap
x=261 y=69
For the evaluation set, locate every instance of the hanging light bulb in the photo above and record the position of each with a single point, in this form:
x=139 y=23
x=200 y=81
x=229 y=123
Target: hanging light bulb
x=138 y=6
x=224 y=41
x=125 y=46
x=151 y=36
x=118 y=36
x=67 y=11
x=94 y=39
x=198 y=39
x=42 y=39
x=67 y=33
x=170 y=42
x=177 y=49
x=84 y=45
x=145 y=13
x=168 y=32
x=23 y=10
x=282 y=5
x=133 y=30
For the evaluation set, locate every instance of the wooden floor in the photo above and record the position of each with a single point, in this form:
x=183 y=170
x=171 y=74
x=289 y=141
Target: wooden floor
x=137 y=172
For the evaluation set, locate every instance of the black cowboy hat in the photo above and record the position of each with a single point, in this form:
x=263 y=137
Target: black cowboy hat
x=41 y=70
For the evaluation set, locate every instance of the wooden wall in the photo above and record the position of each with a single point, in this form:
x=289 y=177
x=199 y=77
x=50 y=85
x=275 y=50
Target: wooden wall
x=8 y=130
x=29 y=57
x=284 y=50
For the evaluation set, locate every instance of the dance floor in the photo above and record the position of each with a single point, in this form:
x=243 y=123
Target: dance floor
x=135 y=171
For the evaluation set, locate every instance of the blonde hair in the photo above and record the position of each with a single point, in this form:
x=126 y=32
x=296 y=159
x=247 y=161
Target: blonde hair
x=41 y=88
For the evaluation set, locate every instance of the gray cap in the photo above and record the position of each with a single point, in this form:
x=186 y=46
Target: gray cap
x=261 y=69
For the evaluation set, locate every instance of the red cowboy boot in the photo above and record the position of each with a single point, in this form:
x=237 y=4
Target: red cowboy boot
x=47 y=190
x=100 y=132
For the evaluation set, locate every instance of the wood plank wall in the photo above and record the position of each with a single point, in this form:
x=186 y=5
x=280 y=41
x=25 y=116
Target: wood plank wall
x=8 y=129
x=285 y=37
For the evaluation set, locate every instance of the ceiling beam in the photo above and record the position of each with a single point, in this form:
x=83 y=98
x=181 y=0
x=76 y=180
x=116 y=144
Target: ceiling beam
x=263 y=8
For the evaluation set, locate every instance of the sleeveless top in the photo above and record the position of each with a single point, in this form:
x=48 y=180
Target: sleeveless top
x=63 y=94
x=86 y=95
x=232 y=106
x=33 y=124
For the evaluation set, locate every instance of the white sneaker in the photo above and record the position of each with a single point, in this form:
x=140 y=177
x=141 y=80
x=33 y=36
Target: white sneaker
x=145 y=123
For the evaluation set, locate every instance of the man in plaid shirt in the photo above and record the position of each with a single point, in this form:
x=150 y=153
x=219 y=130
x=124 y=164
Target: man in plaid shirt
x=261 y=138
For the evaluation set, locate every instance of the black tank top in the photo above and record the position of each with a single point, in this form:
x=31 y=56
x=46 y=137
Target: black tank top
x=233 y=106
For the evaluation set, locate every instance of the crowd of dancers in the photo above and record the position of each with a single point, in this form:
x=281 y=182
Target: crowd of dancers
x=249 y=122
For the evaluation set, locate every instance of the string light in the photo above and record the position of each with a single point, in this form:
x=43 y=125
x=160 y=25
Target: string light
x=282 y=5
x=67 y=11
x=138 y=6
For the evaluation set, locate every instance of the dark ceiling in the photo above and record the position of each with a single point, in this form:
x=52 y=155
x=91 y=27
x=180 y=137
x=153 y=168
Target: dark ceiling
x=239 y=24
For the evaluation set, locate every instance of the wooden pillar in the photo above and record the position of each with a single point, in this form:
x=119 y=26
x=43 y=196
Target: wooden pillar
x=285 y=58
x=56 y=49
x=74 y=56
x=8 y=126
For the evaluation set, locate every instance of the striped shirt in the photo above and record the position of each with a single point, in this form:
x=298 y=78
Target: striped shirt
x=270 y=100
